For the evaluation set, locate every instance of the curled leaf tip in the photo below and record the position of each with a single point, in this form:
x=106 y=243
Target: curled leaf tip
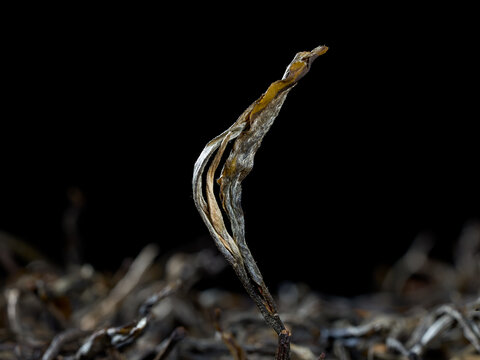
x=300 y=64
x=320 y=50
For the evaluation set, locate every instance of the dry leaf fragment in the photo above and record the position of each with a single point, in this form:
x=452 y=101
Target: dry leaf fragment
x=248 y=130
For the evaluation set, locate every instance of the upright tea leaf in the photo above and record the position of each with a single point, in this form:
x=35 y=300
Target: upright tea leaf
x=248 y=130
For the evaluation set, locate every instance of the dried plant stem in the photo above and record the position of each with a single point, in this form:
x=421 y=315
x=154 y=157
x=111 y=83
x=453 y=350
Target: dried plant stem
x=248 y=130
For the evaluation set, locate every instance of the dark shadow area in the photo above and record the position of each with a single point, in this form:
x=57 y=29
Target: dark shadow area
x=375 y=146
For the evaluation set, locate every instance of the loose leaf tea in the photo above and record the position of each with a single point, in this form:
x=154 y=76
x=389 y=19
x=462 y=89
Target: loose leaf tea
x=248 y=130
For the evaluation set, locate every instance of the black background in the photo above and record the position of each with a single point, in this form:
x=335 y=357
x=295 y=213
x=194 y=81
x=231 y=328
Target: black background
x=377 y=144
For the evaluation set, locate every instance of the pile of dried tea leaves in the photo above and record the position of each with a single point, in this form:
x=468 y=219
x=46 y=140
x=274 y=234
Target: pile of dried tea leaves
x=152 y=308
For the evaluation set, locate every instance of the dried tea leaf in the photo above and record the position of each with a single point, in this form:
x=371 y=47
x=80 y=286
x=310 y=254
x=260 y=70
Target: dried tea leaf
x=248 y=130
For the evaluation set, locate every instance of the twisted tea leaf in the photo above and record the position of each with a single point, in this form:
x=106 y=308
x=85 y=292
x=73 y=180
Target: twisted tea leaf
x=248 y=130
